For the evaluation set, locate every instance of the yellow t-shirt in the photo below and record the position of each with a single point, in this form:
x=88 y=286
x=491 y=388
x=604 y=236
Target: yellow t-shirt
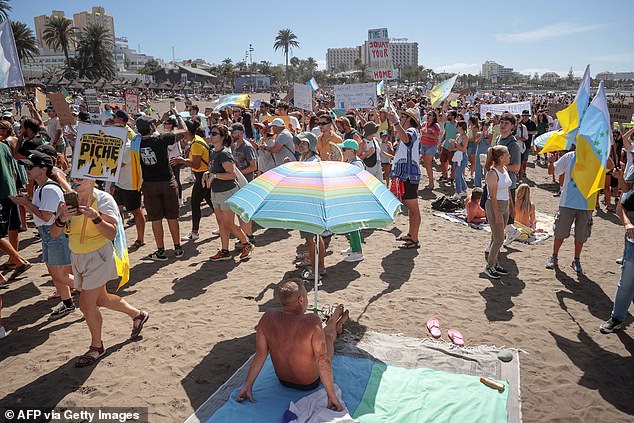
x=384 y=126
x=93 y=239
x=199 y=148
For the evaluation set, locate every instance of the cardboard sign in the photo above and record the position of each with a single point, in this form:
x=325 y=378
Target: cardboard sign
x=260 y=96
x=90 y=95
x=498 y=109
x=553 y=108
x=131 y=105
x=303 y=96
x=98 y=152
x=61 y=108
x=380 y=55
x=355 y=96
x=621 y=112
x=40 y=100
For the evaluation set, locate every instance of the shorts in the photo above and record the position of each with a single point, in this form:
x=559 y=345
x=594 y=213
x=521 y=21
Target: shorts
x=161 y=199
x=446 y=155
x=428 y=149
x=219 y=199
x=526 y=154
x=582 y=220
x=55 y=251
x=9 y=217
x=410 y=190
x=306 y=235
x=94 y=269
x=472 y=147
x=128 y=198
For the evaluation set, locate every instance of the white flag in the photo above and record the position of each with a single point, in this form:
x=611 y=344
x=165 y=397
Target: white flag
x=10 y=69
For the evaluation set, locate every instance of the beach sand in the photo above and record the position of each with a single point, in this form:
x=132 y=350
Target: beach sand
x=203 y=315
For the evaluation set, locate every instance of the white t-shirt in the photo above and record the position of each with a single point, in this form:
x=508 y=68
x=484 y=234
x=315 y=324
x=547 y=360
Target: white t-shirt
x=125 y=174
x=52 y=126
x=49 y=199
x=294 y=123
x=106 y=204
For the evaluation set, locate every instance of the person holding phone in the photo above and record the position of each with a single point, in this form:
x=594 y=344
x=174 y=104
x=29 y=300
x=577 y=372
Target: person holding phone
x=91 y=227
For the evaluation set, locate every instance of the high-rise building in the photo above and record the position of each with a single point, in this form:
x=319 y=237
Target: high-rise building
x=97 y=16
x=40 y=27
x=342 y=58
x=403 y=53
x=490 y=68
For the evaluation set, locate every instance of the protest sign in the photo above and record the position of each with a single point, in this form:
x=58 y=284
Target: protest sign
x=621 y=112
x=380 y=55
x=90 y=95
x=260 y=96
x=303 y=97
x=98 y=152
x=131 y=105
x=355 y=96
x=40 y=100
x=498 y=109
x=553 y=108
x=61 y=108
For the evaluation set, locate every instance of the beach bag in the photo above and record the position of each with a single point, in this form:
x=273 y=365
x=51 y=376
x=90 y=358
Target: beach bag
x=371 y=161
x=457 y=157
x=446 y=204
x=397 y=187
x=241 y=180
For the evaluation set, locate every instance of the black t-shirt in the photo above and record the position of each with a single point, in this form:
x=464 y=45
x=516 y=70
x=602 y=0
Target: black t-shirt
x=155 y=164
x=530 y=127
x=40 y=138
x=215 y=166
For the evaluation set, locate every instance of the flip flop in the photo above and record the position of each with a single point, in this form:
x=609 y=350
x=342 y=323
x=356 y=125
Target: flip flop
x=456 y=337
x=433 y=326
x=19 y=270
x=406 y=238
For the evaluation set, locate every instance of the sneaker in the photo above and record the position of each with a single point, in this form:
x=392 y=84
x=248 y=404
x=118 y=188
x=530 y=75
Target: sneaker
x=500 y=270
x=610 y=326
x=552 y=262
x=238 y=244
x=576 y=266
x=487 y=250
x=246 y=251
x=3 y=332
x=490 y=272
x=178 y=251
x=346 y=252
x=512 y=235
x=221 y=255
x=61 y=311
x=158 y=255
x=354 y=257
x=216 y=232
x=619 y=261
x=191 y=237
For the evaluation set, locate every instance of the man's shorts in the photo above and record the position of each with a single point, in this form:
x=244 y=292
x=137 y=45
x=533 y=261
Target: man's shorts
x=472 y=147
x=9 y=217
x=582 y=220
x=160 y=199
x=410 y=190
x=428 y=149
x=128 y=198
x=526 y=154
x=219 y=199
x=55 y=251
x=94 y=269
x=445 y=155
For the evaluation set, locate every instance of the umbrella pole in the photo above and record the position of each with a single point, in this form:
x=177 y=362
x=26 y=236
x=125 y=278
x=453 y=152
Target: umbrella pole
x=317 y=239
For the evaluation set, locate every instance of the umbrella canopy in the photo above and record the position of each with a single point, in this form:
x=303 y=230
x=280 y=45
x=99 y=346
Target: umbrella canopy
x=316 y=197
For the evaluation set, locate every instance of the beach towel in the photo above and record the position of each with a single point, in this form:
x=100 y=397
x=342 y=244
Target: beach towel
x=460 y=216
x=313 y=408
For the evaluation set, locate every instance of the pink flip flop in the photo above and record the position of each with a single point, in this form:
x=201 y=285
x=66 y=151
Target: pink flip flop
x=456 y=337
x=433 y=326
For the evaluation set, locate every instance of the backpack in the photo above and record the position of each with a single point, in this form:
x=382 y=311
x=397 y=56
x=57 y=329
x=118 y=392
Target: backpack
x=446 y=204
x=49 y=183
x=371 y=160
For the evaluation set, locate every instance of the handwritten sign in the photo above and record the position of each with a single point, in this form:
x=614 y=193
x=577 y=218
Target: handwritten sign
x=61 y=108
x=355 y=96
x=514 y=108
x=98 y=152
x=90 y=95
x=303 y=97
x=621 y=112
x=131 y=103
x=40 y=100
x=380 y=54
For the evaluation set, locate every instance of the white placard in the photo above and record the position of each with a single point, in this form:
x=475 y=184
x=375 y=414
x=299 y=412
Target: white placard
x=498 y=109
x=98 y=152
x=303 y=96
x=355 y=96
x=380 y=55
x=131 y=103
x=92 y=102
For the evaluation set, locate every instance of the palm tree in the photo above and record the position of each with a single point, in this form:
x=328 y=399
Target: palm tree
x=59 y=33
x=4 y=9
x=285 y=41
x=25 y=42
x=94 y=59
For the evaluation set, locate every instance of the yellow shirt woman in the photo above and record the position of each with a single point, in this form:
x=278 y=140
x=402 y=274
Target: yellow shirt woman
x=200 y=148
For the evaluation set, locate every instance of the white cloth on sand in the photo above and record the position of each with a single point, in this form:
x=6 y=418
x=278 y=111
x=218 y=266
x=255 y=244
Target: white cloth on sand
x=313 y=408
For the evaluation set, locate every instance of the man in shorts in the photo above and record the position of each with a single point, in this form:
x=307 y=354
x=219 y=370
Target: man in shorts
x=446 y=150
x=160 y=192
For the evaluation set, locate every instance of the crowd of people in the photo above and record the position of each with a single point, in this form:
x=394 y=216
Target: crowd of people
x=483 y=157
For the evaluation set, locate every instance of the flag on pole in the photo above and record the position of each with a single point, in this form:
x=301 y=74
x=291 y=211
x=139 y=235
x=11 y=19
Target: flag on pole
x=593 y=146
x=380 y=88
x=10 y=69
x=135 y=162
x=442 y=91
x=122 y=259
x=570 y=118
x=313 y=84
x=233 y=100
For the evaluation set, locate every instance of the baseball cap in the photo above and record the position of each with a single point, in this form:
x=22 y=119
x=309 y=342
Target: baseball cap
x=278 y=122
x=143 y=123
x=238 y=127
x=37 y=159
x=47 y=149
x=352 y=144
x=120 y=114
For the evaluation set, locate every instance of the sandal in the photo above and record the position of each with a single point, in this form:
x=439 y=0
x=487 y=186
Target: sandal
x=410 y=245
x=19 y=270
x=7 y=266
x=406 y=238
x=87 y=359
x=137 y=244
x=142 y=318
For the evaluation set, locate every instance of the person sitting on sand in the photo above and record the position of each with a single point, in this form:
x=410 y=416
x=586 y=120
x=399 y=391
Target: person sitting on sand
x=524 y=207
x=475 y=213
x=301 y=350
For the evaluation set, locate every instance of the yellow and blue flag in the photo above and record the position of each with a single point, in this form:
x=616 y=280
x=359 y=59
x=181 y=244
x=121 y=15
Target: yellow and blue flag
x=135 y=161
x=380 y=88
x=121 y=253
x=593 y=146
x=570 y=118
x=233 y=100
x=442 y=91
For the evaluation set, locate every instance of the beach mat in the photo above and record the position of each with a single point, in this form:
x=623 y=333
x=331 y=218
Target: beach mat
x=364 y=367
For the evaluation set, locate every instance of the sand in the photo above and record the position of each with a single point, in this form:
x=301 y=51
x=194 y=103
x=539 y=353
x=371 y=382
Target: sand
x=203 y=315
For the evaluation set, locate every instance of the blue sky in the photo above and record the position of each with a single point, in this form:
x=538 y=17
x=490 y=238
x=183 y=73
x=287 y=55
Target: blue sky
x=456 y=36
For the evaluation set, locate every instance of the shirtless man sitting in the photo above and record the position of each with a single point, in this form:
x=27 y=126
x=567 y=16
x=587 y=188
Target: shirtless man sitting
x=301 y=350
